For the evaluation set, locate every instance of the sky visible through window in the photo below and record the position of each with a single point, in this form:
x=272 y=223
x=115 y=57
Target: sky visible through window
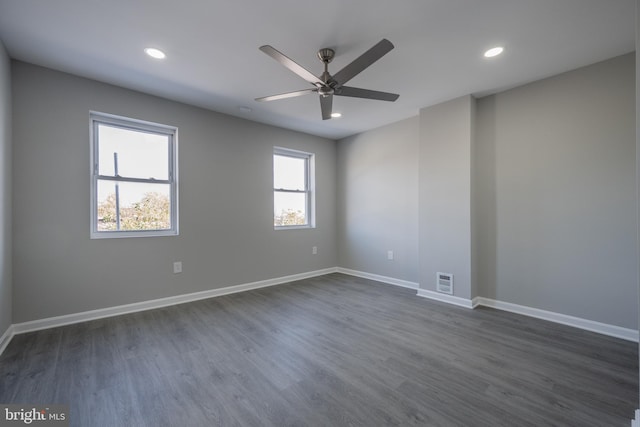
x=139 y=155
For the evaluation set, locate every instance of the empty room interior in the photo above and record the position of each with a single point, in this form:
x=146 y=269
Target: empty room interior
x=340 y=214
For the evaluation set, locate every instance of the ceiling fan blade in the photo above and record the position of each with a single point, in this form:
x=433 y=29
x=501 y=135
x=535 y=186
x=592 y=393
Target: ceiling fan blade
x=287 y=95
x=291 y=65
x=366 y=93
x=326 y=105
x=362 y=62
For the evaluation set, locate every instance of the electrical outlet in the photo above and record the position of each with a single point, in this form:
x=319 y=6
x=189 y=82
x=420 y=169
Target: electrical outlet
x=314 y=250
x=177 y=267
x=389 y=255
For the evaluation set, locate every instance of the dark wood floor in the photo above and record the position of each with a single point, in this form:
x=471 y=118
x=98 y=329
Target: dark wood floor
x=328 y=351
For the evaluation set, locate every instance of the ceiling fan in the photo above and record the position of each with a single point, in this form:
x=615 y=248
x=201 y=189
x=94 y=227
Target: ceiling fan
x=327 y=85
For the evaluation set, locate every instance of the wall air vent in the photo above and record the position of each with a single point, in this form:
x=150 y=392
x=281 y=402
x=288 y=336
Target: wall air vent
x=444 y=283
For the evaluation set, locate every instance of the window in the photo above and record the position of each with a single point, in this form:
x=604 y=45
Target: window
x=133 y=178
x=293 y=196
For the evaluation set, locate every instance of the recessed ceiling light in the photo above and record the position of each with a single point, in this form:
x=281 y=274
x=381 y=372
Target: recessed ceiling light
x=155 y=53
x=336 y=115
x=495 y=51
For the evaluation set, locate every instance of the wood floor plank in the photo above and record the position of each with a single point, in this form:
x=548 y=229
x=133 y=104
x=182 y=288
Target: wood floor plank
x=335 y=350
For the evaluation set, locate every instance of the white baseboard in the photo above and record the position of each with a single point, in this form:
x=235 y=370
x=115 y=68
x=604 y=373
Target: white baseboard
x=68 y=319
x=450 y=299
x=411 y=285
x=636 y=421
x=576 y=322
x=378 y=278
x=5 y=339
x=52 y=322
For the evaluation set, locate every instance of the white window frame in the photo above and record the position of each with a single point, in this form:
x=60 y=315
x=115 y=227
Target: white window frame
x=309 y=189
x=97 y=118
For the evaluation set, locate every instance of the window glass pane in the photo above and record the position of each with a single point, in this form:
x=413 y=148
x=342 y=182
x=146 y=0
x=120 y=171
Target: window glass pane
x=106 y=206
x=289 y=208
x=289 y=172
x=142 y=206
x=140 y=154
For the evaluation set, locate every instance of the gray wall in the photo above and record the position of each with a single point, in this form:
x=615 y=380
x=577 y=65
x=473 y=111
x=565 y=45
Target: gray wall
x=446 y=142
x=552 y=189
x=556 y=198
x=552 y=194
x=5 y=192
x=226 y=209
x=377 y=204
x=638 y=161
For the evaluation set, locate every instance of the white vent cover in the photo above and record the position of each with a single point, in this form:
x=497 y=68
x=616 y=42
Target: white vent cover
x=444 y=283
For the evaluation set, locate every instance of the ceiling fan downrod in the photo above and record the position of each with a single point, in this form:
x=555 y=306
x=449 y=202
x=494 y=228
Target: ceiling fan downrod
x=326 y=55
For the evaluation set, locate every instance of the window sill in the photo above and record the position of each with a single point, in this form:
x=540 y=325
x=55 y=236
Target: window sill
x=131 y=234
x=294 y=227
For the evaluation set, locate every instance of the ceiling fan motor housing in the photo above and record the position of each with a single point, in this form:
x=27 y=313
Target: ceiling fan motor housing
x=325 y=91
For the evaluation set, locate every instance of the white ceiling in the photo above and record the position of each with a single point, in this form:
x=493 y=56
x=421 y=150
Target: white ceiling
x=213 y=59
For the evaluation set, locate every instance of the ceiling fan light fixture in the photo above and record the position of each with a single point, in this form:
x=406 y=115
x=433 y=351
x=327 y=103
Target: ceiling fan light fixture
x=494 y=51
x=155 y=53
